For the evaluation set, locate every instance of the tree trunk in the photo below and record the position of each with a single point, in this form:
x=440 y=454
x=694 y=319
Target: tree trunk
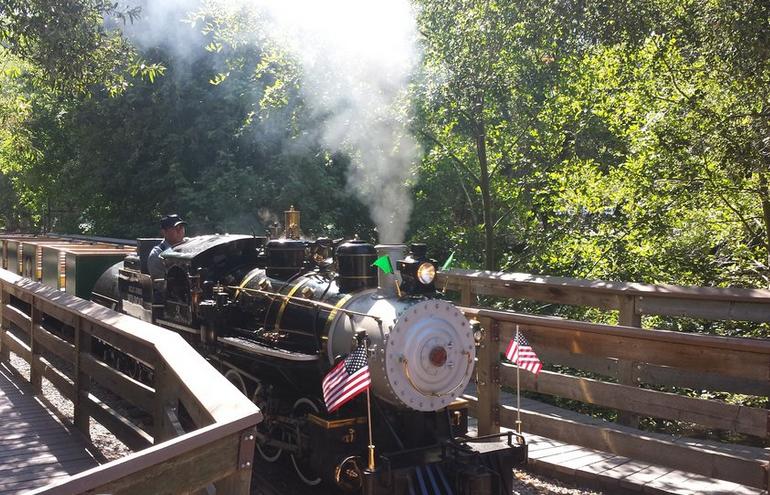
x=765 y=198
x=486 y=198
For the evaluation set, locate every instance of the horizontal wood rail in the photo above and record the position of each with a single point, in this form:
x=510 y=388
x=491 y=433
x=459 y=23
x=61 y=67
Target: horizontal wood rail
x=631 y=299
x=46 y=327
x=632 y=369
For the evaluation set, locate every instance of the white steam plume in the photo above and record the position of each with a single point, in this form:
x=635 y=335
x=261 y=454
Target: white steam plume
x=357 y=57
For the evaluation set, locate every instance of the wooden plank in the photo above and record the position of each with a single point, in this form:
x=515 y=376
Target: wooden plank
x=651 y=346
x=644 y=476
x=120 y=426
x=188 y=472
x=603 y=465
x=605 y=366
x=119 y=383
x=642 y=446
x=714 y=310
x=488 y=386
x=554 y=454
x=510 y=319
x=62 y=314
x=20 y=463
x=701 y=380
x=677 y=482
x=130 y=345
x=4 y=324
x=59 y=380
x=19 y=293
x=81 y=382
x=40 y=450
x=589 y=457
x=15 y=316
x=467 y=297
x=611 y=478
x=185 y=472
x=501 y=279
x=17 y=346
x=54 y=344
x=194 y=379
x=166 y=397
x=709 y=413
x=628 y=317
x=710 y=463
x=22 y=480
x=35 y=367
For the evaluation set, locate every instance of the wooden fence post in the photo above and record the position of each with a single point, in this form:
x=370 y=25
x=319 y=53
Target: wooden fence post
x=488 y=378
x=82 y=380
x=466 y=293
x=5 y=355
x=627 y=370
x=35 y=365
x=239 y=482
x=164 y=398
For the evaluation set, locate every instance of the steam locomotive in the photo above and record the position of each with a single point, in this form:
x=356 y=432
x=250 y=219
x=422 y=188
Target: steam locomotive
x=276 y=314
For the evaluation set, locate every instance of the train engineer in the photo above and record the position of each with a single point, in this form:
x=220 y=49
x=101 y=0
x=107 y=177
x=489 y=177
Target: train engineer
x=173 y=229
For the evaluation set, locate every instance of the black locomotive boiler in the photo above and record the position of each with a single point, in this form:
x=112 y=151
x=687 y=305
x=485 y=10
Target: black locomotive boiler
x=275 y=315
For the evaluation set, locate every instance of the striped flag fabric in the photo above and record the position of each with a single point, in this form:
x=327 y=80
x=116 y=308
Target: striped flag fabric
x=346 y=380
x=522 y=355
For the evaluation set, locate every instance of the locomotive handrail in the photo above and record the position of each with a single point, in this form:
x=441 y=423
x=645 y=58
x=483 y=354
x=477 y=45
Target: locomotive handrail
x=189 y=421
x=318 y=304
x=634 y=371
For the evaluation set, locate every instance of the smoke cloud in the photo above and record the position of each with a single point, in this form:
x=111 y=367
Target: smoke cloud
x=357 y=57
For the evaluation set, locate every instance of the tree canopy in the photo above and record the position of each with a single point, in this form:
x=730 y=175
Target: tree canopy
x=615 y=140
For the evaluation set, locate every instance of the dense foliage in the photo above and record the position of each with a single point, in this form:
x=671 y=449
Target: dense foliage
x=615 y=140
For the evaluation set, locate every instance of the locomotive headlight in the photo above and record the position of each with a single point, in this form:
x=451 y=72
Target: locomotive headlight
x=426 y=273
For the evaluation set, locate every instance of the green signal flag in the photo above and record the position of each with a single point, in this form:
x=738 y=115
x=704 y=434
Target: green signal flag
x=448 y=262
x=383 y=263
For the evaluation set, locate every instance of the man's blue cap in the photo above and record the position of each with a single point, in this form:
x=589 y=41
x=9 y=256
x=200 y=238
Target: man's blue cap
x=169 y=221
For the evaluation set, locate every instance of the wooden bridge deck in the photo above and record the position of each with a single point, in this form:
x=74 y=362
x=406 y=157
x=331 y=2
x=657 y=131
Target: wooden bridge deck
x=36 y=448
x=612 y=473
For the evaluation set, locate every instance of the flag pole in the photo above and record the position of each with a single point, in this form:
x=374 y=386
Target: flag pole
x=371 y=440
x=518 y=391
x=372 y=465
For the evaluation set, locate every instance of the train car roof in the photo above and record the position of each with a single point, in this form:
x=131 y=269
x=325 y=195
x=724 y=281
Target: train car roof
x=197 y=246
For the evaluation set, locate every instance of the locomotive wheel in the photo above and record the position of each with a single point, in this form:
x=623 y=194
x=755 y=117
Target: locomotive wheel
x=266 y=452
x=301 y=465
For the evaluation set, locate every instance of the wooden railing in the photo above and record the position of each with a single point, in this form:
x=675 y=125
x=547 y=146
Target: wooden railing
x=218 y=448
x=631 y=366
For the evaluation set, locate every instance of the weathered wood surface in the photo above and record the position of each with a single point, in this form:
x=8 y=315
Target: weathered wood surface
x=620 y=474
x=36 y=447
x=661 y=299
x=622 y=459
x=632 y=369
x=217 y=452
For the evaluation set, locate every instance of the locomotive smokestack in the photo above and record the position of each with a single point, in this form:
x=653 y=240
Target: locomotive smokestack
x=386 y=282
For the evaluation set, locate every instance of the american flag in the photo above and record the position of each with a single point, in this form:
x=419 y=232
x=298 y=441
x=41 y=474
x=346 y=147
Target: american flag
x=520 y=353
x=346 y=380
